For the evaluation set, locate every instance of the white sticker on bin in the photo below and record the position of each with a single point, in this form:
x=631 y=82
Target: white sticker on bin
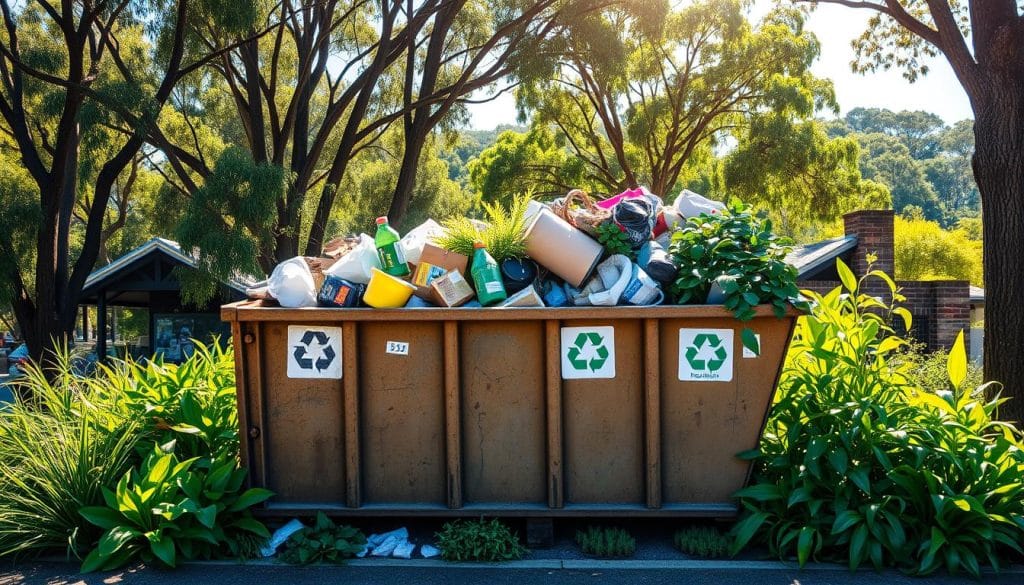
x=705 y=355
x=314 y=352
x=397 y=347
x=588 y=352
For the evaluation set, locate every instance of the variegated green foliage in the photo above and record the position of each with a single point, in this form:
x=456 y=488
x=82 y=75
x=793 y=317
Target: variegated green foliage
x=859 y=464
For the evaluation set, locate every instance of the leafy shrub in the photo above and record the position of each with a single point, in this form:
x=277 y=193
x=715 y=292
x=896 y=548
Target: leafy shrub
x=192 y=403
x=60 y=443
x=606 y=542
x=478 y=540
x=614 y=240
x=504 y=236
x=702 y=541
x=324 y=542
x=168 y=509
x=858 y=463
x=740 y=252
x=929 y=368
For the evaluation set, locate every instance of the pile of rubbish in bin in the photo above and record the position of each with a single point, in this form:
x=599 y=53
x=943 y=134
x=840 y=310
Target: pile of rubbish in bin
x=578 y=252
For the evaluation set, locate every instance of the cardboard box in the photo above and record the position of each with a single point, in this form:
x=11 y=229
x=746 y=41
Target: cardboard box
x=434 y=263
x=451 y=290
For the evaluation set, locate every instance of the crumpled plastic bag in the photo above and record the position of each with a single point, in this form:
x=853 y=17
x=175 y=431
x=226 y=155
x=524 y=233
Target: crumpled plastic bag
x=638 y=193
x=657 y=263
x=691 y=204
x=605 y=288
x=281 y=535
x=357 y=266
x=292 y=284
x=636 y=217
x=412 y=243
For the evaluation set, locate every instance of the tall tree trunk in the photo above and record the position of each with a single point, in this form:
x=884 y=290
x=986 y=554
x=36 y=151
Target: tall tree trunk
x=406 y=179
x=999 y=171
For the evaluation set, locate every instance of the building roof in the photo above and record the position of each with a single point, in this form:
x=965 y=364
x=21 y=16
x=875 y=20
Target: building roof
x=810 y=258
x=977 y=295
x=155 y=246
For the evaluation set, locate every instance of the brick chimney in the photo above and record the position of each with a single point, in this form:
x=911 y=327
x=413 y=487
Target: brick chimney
x=874 y=231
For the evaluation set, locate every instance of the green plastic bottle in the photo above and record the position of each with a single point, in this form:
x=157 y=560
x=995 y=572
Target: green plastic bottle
x=392 y=258
x=490 y=289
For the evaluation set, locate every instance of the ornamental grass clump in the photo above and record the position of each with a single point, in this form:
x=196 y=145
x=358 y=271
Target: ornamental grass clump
x=136 y=461
x=606 y=542
x=860 y=464
x=62 y=440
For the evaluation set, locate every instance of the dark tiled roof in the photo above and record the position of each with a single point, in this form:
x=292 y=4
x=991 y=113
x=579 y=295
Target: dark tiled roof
x=810 y=257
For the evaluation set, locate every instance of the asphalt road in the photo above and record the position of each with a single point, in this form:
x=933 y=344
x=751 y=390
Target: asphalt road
x=438 y=574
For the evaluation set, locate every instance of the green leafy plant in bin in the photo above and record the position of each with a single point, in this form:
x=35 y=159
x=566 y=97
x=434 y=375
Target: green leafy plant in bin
x=324 y=542
x=606 y=542
x=861 y=464
x=614 y=240
x=702 y=541
x=478 y=540
x=169 y=509
x=504 y=234
x=740 y=252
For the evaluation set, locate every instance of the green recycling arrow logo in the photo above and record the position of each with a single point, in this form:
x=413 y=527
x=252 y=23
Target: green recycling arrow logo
x=599 y=354
x=714 y=345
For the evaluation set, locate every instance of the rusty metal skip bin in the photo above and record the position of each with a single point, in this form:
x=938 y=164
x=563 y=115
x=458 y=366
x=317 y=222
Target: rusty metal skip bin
x=621 y=411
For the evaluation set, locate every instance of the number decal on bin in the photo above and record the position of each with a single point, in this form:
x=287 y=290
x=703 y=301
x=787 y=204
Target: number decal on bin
x=314 y=352
x=588 y=352
x=397 y=347
x=705 y=355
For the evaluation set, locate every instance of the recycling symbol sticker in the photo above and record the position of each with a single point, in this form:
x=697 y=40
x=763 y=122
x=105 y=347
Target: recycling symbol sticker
x=314 y=352
x=705 y=355
x=588 y=352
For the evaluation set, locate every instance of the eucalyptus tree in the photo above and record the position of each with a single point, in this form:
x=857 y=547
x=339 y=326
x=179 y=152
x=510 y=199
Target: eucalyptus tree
x=313 y=96
x=983 y=41
x=78 y=78
x=636 y=96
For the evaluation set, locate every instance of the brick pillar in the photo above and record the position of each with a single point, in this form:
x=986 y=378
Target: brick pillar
x=874 y=231
x=952 y=312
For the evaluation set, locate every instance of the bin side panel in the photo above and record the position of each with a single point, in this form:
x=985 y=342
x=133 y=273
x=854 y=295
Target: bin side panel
x=402 y=424
x=503 y=406
x=705 y=424
x=604 y=425
x=304 y=434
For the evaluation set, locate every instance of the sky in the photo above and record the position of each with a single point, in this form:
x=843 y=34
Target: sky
x=938 y=92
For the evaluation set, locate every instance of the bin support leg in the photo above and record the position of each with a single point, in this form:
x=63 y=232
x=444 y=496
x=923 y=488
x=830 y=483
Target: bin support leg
x=652 y=412
x=453 y=444
x=540 y=532
x=556 y=491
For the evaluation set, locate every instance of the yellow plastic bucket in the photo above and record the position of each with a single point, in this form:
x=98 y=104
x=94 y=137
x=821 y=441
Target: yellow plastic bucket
x=386 y=291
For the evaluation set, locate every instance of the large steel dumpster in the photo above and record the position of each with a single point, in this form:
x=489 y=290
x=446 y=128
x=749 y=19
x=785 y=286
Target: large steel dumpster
x=632 y=411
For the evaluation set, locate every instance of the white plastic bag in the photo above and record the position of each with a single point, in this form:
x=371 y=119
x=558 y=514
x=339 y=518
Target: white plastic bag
x=292 y=284
x=691 y=204
x=357 y=266
x=605 y=289
x=412 y=243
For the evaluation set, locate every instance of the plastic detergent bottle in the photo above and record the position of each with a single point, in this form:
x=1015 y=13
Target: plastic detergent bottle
x=487 y=277
x=392 y=259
